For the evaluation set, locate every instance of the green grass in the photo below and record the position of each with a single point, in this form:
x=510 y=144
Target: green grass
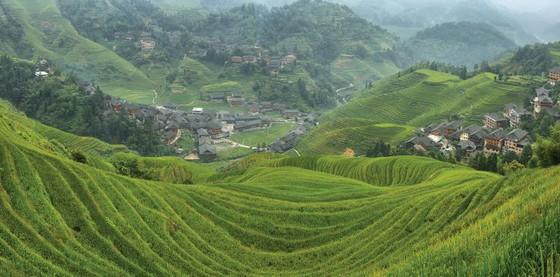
x=266 y=136
x=272 y=216
x=407 y=102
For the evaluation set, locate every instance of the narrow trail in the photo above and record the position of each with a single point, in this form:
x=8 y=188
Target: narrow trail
x=179 y=134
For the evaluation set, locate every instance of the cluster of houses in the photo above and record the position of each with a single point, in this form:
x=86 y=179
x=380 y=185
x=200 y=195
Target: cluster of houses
x=239 y=122
x=233 y=99
x=501 y=132
x=274 y=64
x=144 y=40
x=289 y=141
x=450 y=137
x=210 y=128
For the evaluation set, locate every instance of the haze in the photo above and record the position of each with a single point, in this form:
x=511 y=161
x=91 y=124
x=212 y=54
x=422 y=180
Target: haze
x=529 y=6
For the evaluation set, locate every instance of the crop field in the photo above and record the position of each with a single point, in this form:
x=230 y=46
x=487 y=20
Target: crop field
x=336 y=216
x=411 y=101
x=364 y=133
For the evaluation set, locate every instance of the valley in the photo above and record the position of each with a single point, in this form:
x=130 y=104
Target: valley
x=278 y=138
x=335 y=215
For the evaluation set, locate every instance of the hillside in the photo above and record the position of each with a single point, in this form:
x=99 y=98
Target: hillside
x=180 y=51
x=462 y=43
x=47 y=34
x=534 y=59
x=390 y=216
x=394 y=107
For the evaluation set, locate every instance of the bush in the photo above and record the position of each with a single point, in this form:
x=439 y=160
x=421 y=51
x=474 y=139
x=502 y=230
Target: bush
x=79 y=157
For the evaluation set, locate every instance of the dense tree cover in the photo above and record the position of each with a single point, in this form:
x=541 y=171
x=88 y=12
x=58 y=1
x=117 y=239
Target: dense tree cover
x=312 y=29
x=59 y=101
x=547 y=149
x=297 y=94
x=531 y=59
x=461 y=43
x=380 y=149
x=111 y=22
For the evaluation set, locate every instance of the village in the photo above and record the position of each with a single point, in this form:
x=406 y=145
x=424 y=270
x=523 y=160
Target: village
x=212 y=130
x=500 y=132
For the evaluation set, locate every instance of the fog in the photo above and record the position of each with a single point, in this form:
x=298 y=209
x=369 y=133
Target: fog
x=530 y=5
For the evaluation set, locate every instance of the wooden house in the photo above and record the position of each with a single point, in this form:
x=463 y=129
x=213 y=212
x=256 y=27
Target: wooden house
x=495 y=121
x=493 y=142
x=554 y=76
x=515 y=141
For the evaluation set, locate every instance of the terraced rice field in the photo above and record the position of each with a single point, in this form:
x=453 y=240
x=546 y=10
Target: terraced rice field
x=410 y=101
x=334 y=217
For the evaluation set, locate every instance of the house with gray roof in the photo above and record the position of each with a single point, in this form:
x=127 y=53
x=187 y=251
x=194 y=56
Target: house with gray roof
x=494 y=141
x=515 y=141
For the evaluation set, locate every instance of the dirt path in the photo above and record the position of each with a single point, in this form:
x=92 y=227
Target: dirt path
x=177 y=137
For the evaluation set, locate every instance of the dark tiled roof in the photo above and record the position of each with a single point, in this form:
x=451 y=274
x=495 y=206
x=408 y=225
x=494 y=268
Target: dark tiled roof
x=542 y=91
x=206 y=149
x=496 y=117
x=467 y=144
x=517 y=135
x=497 y=134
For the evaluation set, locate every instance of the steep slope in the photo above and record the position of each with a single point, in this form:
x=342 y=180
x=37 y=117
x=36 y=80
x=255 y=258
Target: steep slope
x=64 y=218
x=395 y=106
x=51 y=36
x=462 y=43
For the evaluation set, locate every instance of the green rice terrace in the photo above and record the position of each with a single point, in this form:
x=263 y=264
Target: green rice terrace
x=394 y=107
x=399 y=216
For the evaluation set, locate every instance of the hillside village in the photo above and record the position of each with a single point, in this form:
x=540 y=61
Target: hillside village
x=501 y=132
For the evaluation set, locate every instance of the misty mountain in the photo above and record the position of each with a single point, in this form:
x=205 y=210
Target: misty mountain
x=405 y=17
x=463 y=43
